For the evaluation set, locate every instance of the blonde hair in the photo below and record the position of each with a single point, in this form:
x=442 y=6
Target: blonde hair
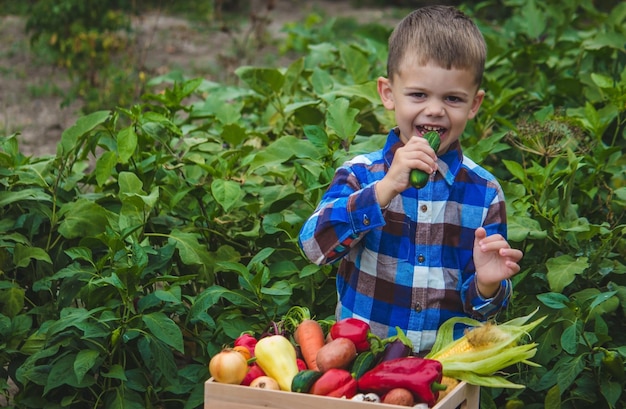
x=442 y=35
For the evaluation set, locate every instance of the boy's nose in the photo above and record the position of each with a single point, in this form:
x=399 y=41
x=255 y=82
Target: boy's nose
x=435 y=108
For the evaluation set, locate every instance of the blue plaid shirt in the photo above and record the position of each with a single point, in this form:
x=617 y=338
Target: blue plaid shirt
x=410 y=264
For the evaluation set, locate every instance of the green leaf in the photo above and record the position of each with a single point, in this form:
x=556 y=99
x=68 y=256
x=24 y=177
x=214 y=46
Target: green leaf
x=260 y=256
x=190 y=251
x=85 y=360
x=12 y=301
x=226 y=192
x=568 y=369
x=563 y=270
x=62 y=373
x=554 y=300
x=515 y=168
x=601 y=298
x=5 y=325
x=234 y=134
x=7 y=197
x=124 y=398
x=322 y=81
x=82 y=218
x=279 y=288
x=80 y=253
x=317 y=136
x=342 y=119
x=569 y=338
x=164 y=329
x=535 y=19
x=282 y=150
x=355 y=62
x=605 y=40
x=602 y=81
x=611 y=391
x=203 y=302
x=24 y=254
x=265 y=81
x=104 y=166
x=553 y=398
x=309 y=270
x=83 y=125
x=521 y=228
x=366 y=90
x=158 y=358
x=126 y=143
x=226 y=113
x=116 y=372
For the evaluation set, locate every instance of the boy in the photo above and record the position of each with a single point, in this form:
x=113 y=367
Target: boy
x=412 y=258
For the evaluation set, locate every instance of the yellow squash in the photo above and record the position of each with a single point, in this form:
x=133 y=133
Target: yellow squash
x=276 y=355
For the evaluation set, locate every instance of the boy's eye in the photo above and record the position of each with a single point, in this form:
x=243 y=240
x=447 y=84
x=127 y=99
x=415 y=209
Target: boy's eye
x=454 y=99
x=417 y=95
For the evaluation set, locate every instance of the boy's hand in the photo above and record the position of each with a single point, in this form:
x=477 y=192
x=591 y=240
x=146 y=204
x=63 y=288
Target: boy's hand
x=415 y=154
x=494 y=260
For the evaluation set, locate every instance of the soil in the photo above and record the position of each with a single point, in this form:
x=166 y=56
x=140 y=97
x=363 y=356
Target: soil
x=32 y=91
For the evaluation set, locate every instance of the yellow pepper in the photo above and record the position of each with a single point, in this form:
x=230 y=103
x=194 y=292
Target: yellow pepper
x=276 y=355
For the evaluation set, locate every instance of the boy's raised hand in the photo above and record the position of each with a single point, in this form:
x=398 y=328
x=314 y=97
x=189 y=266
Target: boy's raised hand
x=494 y=260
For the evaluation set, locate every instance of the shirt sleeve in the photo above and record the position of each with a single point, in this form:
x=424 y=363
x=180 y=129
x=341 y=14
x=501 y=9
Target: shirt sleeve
x=475 y=305
x=345 y=213
x=482 y=308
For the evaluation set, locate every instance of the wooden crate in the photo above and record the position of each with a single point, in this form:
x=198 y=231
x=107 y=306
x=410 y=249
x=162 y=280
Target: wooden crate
x=224 y=396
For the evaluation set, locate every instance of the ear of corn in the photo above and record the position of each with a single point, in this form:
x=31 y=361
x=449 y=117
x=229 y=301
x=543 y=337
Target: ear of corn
x=484 y=349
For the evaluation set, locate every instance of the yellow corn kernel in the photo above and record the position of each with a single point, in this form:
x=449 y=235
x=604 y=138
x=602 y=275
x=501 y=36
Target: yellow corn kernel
x=450 y=384
x=476 y=339
x=463 y=345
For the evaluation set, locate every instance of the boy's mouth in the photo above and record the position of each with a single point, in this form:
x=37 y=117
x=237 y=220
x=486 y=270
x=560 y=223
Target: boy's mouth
x=423 y=129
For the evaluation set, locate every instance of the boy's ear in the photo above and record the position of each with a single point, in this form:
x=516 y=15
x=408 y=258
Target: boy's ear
x=384 y=91
x=476 y=102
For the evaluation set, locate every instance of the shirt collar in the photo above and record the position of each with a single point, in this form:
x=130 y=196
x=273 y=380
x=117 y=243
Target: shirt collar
x=449 y=163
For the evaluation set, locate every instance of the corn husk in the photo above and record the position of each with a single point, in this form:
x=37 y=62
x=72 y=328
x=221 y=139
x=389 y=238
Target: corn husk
x=492 y=348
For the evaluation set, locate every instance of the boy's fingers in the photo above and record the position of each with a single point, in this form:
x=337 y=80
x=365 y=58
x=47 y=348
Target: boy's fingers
x=480 y=233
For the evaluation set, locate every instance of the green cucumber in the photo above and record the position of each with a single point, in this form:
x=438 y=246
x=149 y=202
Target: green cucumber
x=419 y=178
x=364 y=362
x=304 y=379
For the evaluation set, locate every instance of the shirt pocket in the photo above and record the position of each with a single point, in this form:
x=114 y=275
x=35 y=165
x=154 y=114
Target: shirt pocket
x=390 y=243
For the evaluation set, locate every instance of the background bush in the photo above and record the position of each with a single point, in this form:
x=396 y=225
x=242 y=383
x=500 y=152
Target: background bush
x=161 y=230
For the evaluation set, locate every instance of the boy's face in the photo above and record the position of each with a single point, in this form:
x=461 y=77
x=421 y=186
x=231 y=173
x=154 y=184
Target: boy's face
x=429 y=97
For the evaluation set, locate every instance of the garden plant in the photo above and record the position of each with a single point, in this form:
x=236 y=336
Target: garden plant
x=162 y=230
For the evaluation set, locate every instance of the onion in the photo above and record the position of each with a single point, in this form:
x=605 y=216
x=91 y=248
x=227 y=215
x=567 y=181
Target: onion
x=228 y=366
x=265 y=382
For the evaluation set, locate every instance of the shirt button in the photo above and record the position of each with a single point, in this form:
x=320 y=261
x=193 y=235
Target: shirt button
x=366 y=220
x=418 y=307
x=424 y=208
x=421 y=258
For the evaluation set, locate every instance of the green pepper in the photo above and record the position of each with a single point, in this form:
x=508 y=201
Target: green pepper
x=614 y=364
x=514 y=404
x=417 y=177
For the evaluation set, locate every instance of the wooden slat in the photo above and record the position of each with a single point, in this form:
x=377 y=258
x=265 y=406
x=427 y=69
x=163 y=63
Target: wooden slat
x=223 y=396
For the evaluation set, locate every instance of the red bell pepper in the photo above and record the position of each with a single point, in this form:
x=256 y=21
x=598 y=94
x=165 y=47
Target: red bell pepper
x=248 y=341
x=254 y=371
x=355 y=330
x=419 y=375
x=335 y=383
x=301 y=364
